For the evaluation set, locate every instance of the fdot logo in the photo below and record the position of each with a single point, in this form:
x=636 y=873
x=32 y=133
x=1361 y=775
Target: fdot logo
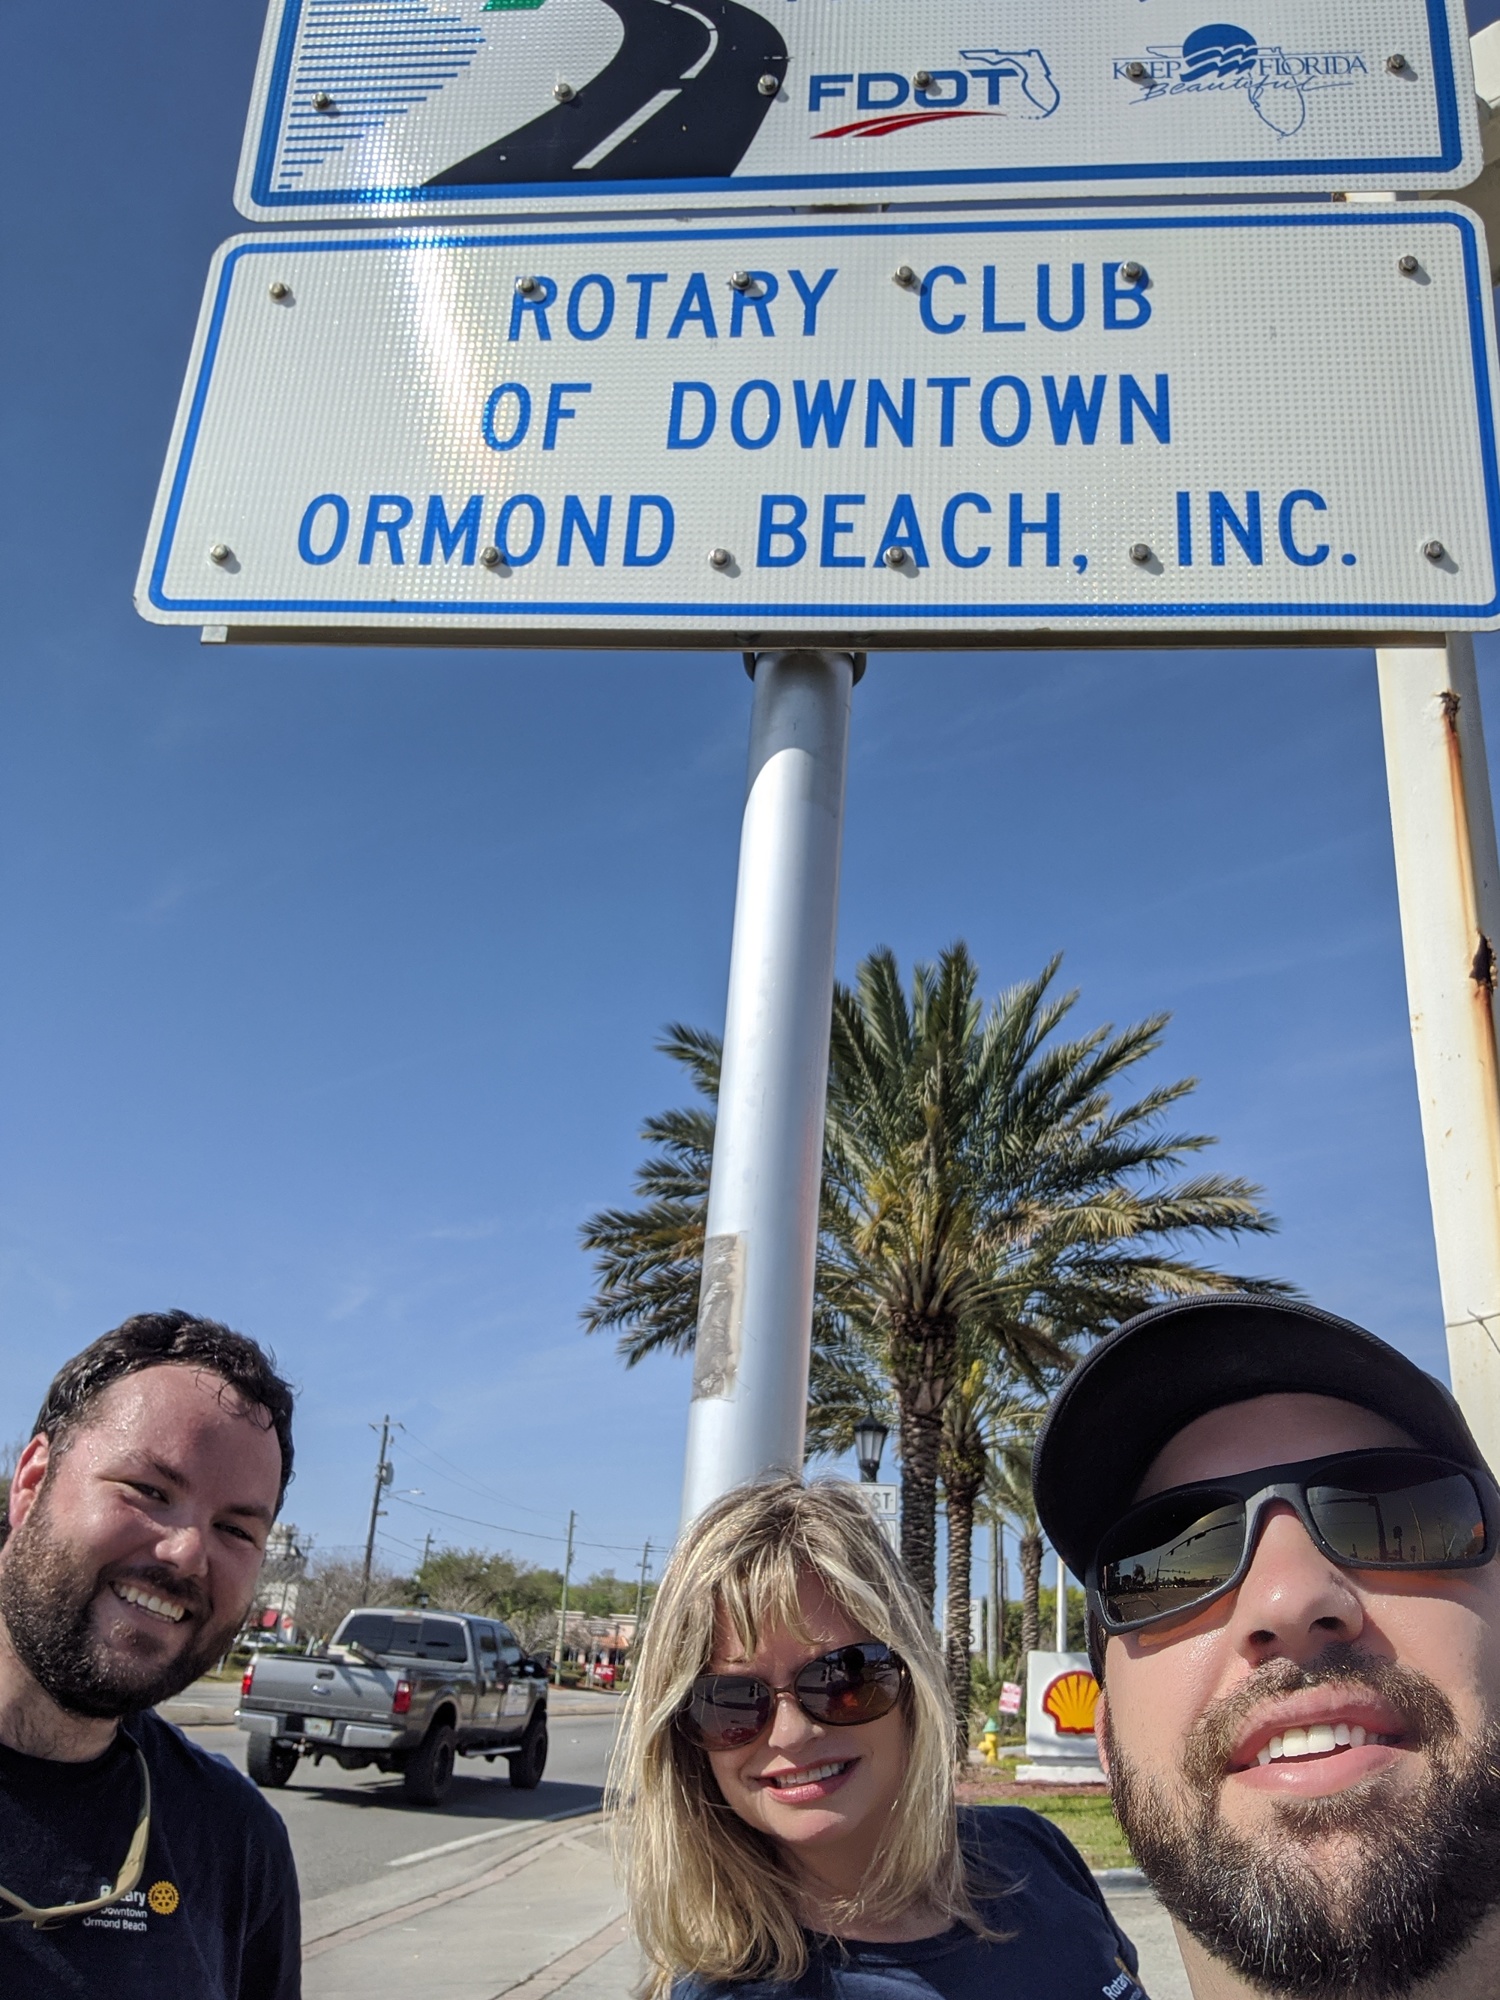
x=994 y=83
x=1275 y=82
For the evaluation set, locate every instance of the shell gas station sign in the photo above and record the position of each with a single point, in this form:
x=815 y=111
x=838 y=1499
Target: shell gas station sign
x=1061 y=1694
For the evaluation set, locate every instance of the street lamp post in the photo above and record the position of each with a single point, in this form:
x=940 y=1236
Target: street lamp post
x=869 y=1443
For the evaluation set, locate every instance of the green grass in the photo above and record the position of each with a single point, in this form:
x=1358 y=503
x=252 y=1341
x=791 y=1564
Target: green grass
x=1091 y=1826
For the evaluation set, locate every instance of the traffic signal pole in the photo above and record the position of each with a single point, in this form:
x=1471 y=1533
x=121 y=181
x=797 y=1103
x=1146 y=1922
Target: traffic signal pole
x=749 y=1405
x=1448 y=878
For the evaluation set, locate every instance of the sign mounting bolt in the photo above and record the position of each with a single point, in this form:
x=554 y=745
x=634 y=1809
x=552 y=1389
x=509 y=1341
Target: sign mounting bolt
x=1132 y=272
x=742 y=281
x=894 y=557
x=903 y=275
x=1407 y=266
x=1135 y=71
x=922 y=80
x=220 y=552
x=768 y=86
x=564 y=92
x=719 y=558
x=1395 y=64
x=491 y=557
x=1434 y=551
x=278 y=290
x=528 y=287
x=1140 y=552
x=321 y=101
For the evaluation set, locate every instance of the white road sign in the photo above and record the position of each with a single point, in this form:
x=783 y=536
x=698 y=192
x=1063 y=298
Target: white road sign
x=865 y=432
x=453 y=107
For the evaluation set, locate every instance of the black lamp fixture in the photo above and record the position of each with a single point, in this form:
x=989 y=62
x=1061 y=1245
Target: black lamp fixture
x=870 y=1435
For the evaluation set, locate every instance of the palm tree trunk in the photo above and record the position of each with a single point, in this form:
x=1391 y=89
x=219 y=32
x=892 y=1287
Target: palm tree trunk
x=961 y=1497
x=921 y=1439
x=1031 y=1590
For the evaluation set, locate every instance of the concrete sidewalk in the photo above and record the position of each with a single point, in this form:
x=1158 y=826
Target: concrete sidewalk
x=538 y=1914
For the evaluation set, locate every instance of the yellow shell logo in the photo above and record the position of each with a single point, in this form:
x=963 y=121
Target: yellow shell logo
x=163 y=1898
x=1070 y=1700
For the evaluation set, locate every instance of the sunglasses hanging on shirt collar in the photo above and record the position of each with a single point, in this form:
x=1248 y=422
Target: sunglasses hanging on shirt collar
x=49 y=1918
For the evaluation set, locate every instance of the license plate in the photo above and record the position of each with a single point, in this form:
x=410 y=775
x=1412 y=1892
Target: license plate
x=319 y=1725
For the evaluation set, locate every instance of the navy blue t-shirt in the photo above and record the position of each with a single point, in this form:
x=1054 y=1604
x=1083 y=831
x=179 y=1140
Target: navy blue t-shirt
x=215 y=1914
x=1060 y=1941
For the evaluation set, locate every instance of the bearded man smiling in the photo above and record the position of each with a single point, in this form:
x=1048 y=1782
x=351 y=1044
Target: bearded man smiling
x=131 y=1862
x=1288 y=1536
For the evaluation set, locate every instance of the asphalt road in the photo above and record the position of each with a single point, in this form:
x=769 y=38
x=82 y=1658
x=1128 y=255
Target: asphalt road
x=679 y=100
x=348 y=1827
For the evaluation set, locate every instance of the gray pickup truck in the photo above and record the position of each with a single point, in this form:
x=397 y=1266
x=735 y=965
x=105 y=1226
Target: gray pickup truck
x=404 y=1690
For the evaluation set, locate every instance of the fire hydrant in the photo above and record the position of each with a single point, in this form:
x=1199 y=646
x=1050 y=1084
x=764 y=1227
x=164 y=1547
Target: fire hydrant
x=989 y=1741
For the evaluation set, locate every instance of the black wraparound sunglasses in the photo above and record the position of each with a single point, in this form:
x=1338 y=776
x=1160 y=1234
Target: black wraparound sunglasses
x=1385 y=1510
x=849 y=1685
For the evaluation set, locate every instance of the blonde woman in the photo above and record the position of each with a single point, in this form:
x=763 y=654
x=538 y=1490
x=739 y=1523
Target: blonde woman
x=783 y=1792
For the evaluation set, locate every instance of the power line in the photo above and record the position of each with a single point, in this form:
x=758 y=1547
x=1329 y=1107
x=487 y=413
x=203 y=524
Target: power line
x=468 y=1479
x=499 y=1528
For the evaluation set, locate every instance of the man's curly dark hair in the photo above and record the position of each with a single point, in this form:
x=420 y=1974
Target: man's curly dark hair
x=149 y=1340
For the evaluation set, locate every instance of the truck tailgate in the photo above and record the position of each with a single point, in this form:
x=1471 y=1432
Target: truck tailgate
x=285 y=1686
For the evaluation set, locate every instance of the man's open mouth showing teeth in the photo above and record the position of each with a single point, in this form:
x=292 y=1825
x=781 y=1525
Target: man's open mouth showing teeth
x=1321 y=1740
x=814 y=1775
x=147 y=1600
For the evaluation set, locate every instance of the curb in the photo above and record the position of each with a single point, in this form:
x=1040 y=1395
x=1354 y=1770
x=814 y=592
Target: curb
x=371 y=1906
x=1120 y=1879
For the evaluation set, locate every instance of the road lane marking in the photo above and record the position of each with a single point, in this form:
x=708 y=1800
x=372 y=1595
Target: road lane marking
x=437 y=1899
x=622 y=132
x=490 y=1833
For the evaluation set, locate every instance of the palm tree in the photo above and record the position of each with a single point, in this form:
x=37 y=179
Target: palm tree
x=650 y=1260
x=1008 y=1488
x=983 y=1194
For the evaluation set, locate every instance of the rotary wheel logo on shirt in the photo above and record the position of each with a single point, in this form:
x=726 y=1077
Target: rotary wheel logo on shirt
x=163 y=1898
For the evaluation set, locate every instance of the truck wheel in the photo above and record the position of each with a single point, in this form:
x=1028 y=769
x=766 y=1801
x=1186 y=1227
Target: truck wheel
x=429 y=1768
x=270 y=1762
x=528 y=1763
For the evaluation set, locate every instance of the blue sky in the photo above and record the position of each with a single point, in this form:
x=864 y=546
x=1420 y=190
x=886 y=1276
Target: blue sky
x=330 y=979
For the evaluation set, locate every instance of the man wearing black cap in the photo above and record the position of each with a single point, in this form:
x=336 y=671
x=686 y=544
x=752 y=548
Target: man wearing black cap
x=1288 y=1536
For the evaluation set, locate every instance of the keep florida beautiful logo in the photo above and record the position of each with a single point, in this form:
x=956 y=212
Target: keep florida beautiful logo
x=994 y=83
x=1275 y=82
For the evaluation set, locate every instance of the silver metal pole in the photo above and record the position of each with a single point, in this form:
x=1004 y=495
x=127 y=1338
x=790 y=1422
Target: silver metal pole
x=1448 y=878
x=749 y=1407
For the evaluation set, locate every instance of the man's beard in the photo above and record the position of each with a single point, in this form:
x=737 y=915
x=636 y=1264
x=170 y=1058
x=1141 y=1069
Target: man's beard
x=48 y=1590
x=1408 y=1876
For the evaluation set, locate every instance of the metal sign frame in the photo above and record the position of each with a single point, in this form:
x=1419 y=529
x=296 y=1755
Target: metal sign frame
x=287 y=114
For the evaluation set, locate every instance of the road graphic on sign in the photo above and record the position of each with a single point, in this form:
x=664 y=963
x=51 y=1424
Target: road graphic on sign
x=448 y=108
x=682 y=96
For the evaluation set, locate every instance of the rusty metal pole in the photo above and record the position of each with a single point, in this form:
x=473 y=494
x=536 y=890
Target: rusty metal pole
x=1448 y=880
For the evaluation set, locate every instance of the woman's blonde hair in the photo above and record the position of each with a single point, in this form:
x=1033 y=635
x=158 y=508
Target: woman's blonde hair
x=709 y=1894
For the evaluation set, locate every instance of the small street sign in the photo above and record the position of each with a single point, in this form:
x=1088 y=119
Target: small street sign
x=451 y=107
x=862 y=432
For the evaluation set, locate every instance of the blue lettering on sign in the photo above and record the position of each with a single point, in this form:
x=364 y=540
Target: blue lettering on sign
x=635 y=556
x=439 y=531
x=340 y=533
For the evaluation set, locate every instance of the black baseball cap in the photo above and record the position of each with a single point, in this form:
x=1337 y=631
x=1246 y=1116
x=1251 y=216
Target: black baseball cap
x=1141 y=1385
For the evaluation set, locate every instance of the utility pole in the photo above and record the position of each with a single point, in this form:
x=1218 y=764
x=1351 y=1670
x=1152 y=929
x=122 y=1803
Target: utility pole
x=562 y=1609
x=1062 y=1607
x=640 y=1605
x=385 y=1472
x=426 y=1548
x=1448 y=879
